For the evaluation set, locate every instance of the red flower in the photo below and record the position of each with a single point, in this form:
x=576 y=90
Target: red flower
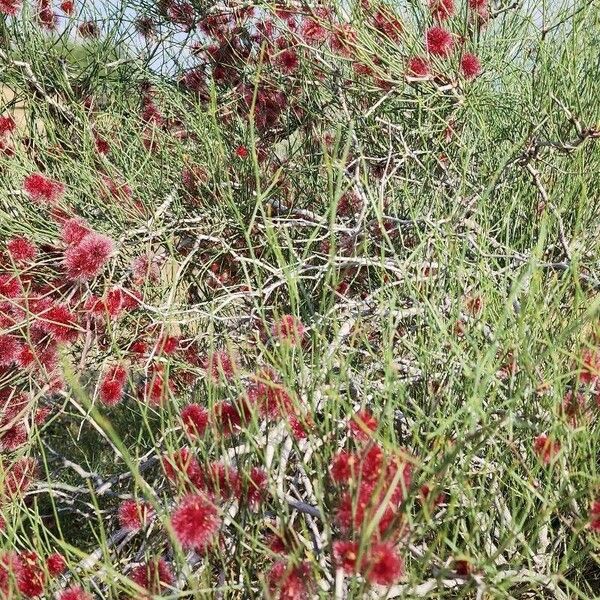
x=477 y=4
x=227 y=417
x=195 y=419
x=470 y=65
x=269 y=397
x=56 y=564
x=345 y=553
x=7 y=123
x=546 y=448
x=195 y=522
x=74 y=230
x=288 y=60
x=9 y=350
x=145 y=268
x=10 y=7
x=19 y=477
x=59 y=322
x=157 y=387
x=13 y=438
x=87 y=259
x=289 y=582
x=382 y=564
x=418 y=67
x=10 y=287
x=21 y=249
x=439 y=41
x=257 y=486
x=441 y=9
x=595 y=516
x=67 y=6
x=167 y=344
x=31 y=579
x=289 y=329
x=181 y=465
x=362 y=425
x=590 y=371
x=154 y=576
x=343 y=466
x=242 y=152
x=74 y=593
x=39 y=187
x=133 y=515
x=111 y=385
x=220 y=365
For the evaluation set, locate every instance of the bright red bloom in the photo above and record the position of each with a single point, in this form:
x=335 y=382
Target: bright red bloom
x=167 y=344
x=59 y=322
x=595 y=516
x=21 y=249
x=439 y=41
x=313 y=32
x=342 y=468
x=74 y=230
x=345 y=553
x=382 y=564
x=9 y=350
x=227 y=418
x=470 y=65
x=10 y=7
x=67 y=6
x=7 y=123
x=257 y=486
x=418 y=67
x=288 y=60
x=19 y=476
x=289 y=329
x=223 y=481
x=388 y=24
x=220 y=365
x=362 y=425
x=13 y=438
x=133 y=515
x=195 y=419
x=157 y=387
x=87 y=259
x=10 y=286
x=112 y=385
x=546 y=448
x=56 y=564
x=181 y=466
x=242 y=152
x=32 y=579
x=441 y=9
x=195 y=521
x=39 y=187
x=289 y=582
x=268 y=396
x=154 y=576
x=74 y=593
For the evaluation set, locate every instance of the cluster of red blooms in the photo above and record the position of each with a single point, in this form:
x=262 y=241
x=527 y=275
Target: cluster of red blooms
x=373 y=484
x=27 y=574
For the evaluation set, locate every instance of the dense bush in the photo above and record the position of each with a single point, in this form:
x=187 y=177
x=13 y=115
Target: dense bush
x=299 y=299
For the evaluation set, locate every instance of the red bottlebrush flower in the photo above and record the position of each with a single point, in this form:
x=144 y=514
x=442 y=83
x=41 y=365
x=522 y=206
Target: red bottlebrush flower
x=9 y=350
x=182 y=466
x=313 y=32
x=10 y=287
x=220 y=365
x=7 y=123
x=21 y=249
x=31 y=579
x=59 y=322
x=154 y=576
x=590 y=371
x=118 y=190
x=39 y=187
x=19 y=477
x=144 y=268
x=10 y=7
x=227 y=418
x=288 y=582
x=195 y=522
x=195 y=419
x=477 y=4
x=269 y=397
x=223 y=481
x=56 y=564
x=257 y=486
x=74 y=593
x=439 y=41
x=441 y=9
x=167 y=344
x=382 y=564
x=546 y=449
x=595 y=516
x=74 y=230
x=345 y=553
x=287 y=60
x=13 y=438
x=157 y=386
x=102 y=146
x=418 y=67
x=133 y=515
x=362 y=425
x=45 y=15
x=289 y=329
x=388 y=24
x=88 y=29
x=470 y=65
x=67 y=6
x=463 y=567
x=87 y=259
x=342 y=467
x=242 y=152
x=111 y=385
x=138 y=347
